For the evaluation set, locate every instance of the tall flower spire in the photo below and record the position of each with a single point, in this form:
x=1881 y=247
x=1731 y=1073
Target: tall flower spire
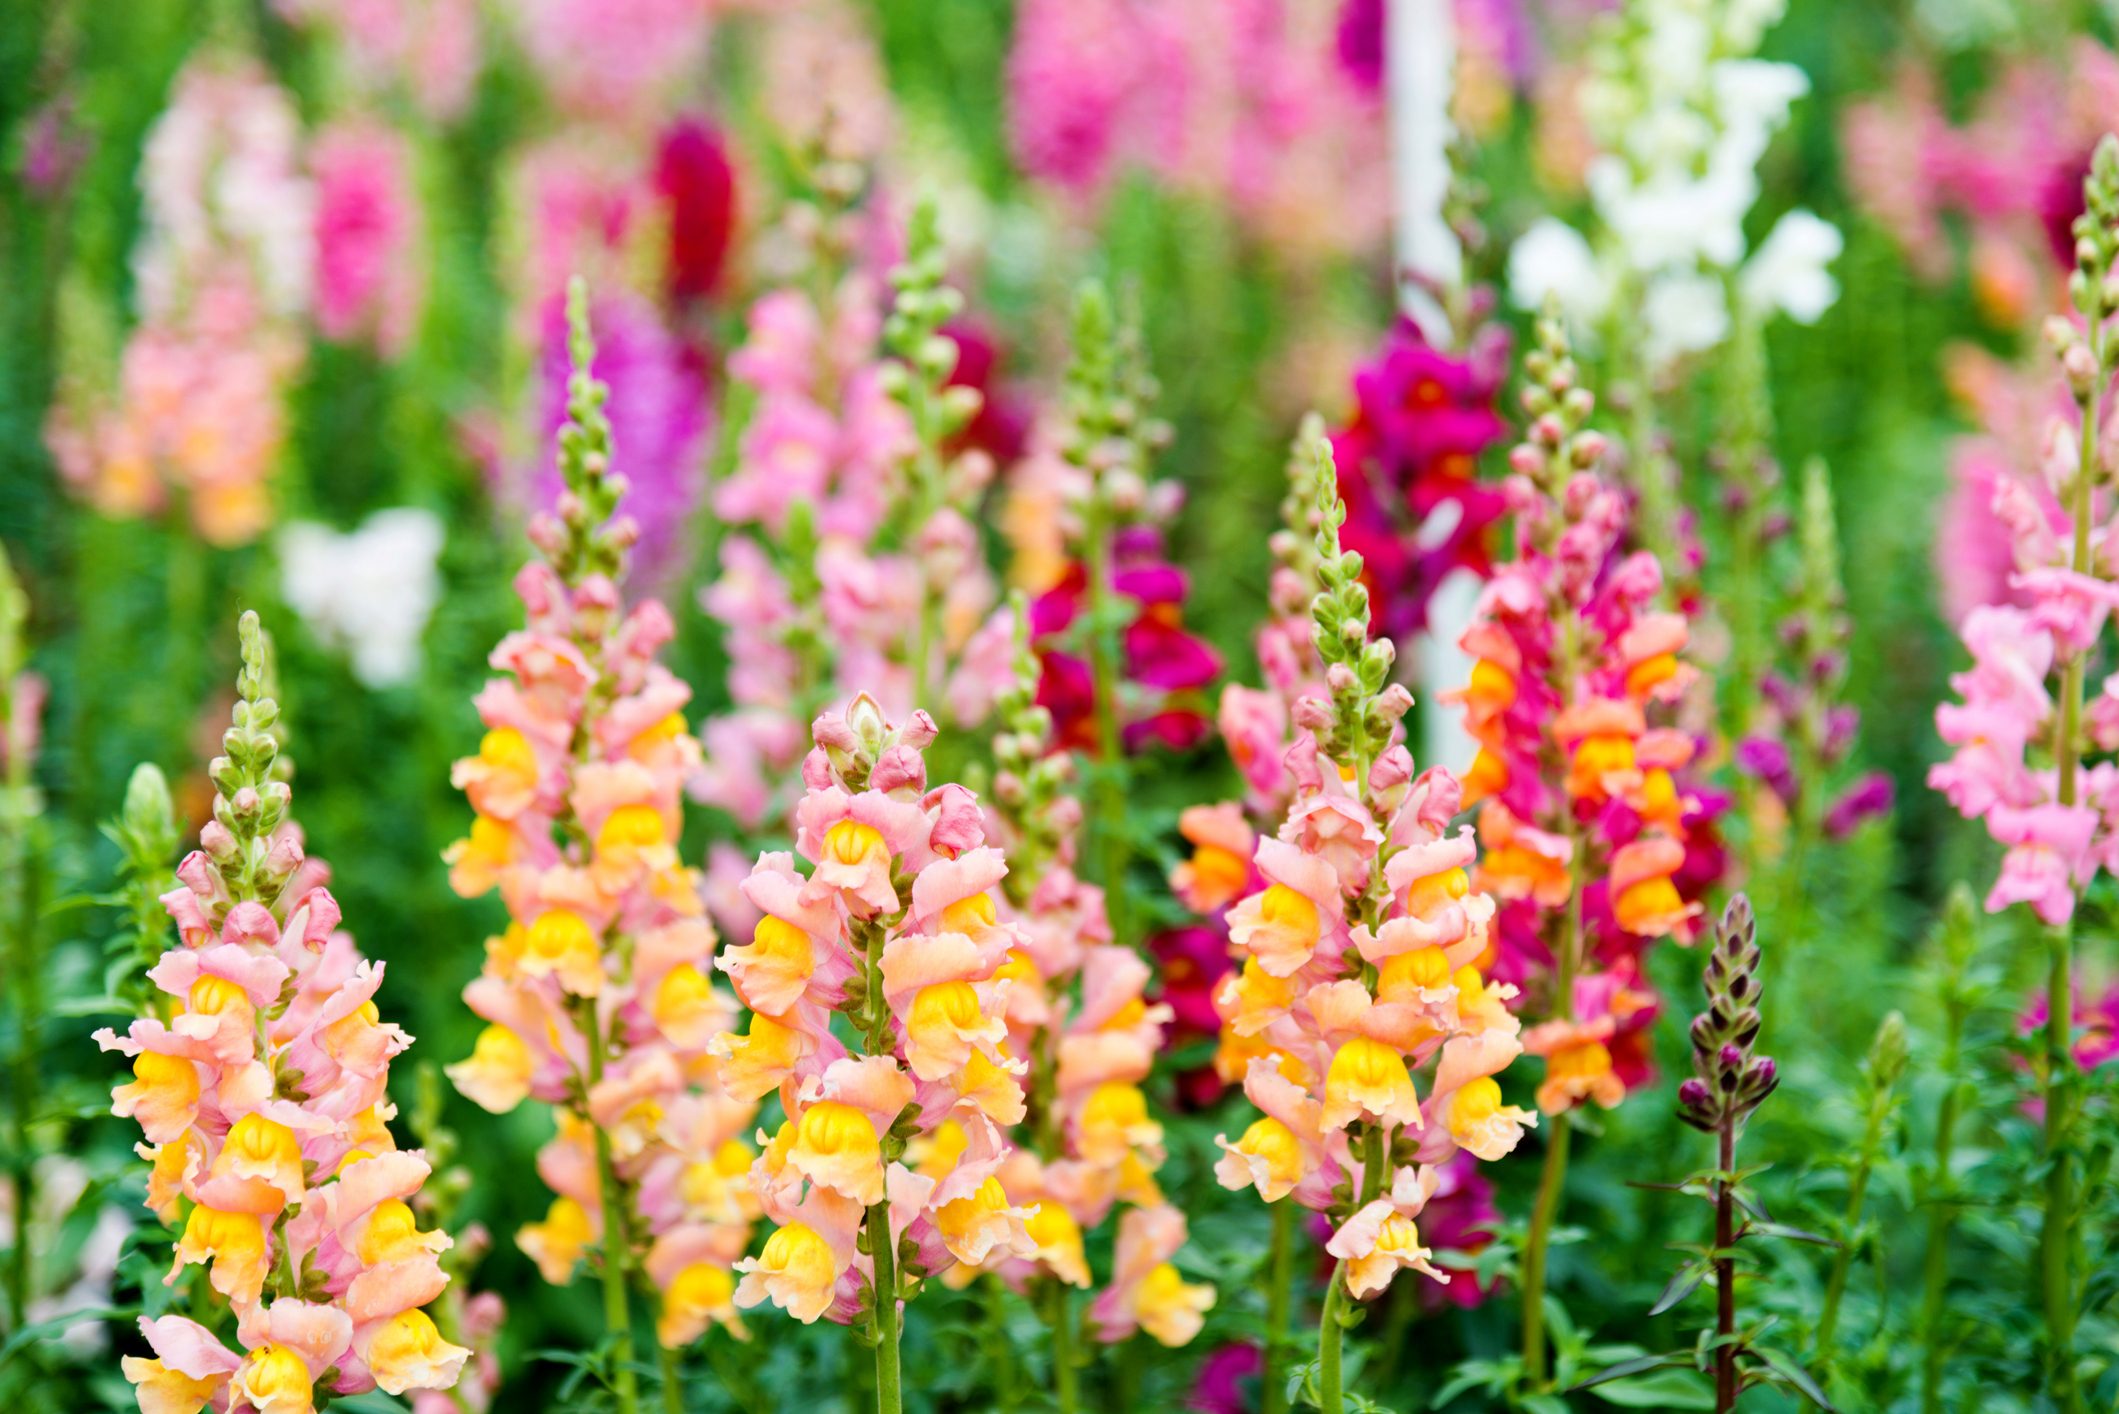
x=1360 y=964
x=598 y=996
x=2032 y=752
x=1593 y=834
x=895 y=927
x=263 y=1098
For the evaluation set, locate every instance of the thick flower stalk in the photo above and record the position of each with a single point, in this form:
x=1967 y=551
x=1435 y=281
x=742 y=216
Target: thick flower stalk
x=1593 y=834
x=1729 y=1080
x=894 y=927
x=1079 y=1017
x=598 y=996
x=2024 y=727
x=1256 y=728
x=261 y=1089
x=1360 y=964
x=195 y=410
x=850 y=560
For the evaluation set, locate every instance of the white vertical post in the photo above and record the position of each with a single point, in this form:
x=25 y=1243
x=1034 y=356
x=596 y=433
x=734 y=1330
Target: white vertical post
x=1420 y=58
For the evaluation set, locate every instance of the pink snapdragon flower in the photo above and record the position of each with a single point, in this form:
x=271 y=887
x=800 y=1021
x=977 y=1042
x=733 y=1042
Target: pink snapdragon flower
x=1360 y=959
x=598 y=998
x=260 y=1088
x=896 y=924
x=1408 y=466
x=1574 y=662
x=222 y=272
x=368 y=274
x=851 y=547
x=2003 y=727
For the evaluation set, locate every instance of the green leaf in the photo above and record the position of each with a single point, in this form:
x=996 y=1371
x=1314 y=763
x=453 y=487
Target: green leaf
x=1793 y=1234
x=1665 y=1389
x=1627 y=1369
x=1791 y=1371
x=1682 y=1284
x=38 y=1330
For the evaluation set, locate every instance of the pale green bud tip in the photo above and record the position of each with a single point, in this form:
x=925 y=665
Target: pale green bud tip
x=149 y=810
x=1888 y=1052
x=250 y=634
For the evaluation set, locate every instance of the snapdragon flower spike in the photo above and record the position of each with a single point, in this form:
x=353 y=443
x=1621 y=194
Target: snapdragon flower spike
x=852 y=560
x=1582 y=780
x=1087 y=519
x=1730 y=1079
x=1079 y=1018
x=894 y=925
x=1807 y=732
x=598 y=997
x=2028 y=758
x=260 y=1085
x=1360 y=961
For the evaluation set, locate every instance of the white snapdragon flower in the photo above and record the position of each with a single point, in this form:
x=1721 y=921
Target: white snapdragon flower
x=1682 y=312
x=1790 y=272
x=367 y=592
x=1551 y=259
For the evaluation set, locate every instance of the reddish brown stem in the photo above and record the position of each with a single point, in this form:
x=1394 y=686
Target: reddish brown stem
x=1725 y=1276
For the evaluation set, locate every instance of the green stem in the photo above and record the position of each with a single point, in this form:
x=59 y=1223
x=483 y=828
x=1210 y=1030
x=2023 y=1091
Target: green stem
x=672 y=1379
x=1725 y=1384
x=1331 y=1333
x=1551 y=1178
x=29 y=1011
x=999 y=1353
x=1857 y=1191
x=1935 y=1275
x=617 y=1308
x=1110 y=747
x=1279 y=1291
x=1066 y=1367
x=889 y=1396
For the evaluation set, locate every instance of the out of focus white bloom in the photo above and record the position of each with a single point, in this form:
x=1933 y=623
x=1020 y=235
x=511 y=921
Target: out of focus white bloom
x=1682 y=115
x=1745 y=22
x=1552 y=259
x=1682 y=312
x=1672 y=220
x=367 y=592
x=1790 y=271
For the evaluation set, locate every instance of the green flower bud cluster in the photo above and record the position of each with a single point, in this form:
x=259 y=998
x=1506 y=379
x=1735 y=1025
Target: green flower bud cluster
x=589 y=541
x=1357 y=668
x=922 y=356
x=1110 y=393
x=252 y=798
x=1030 y=784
